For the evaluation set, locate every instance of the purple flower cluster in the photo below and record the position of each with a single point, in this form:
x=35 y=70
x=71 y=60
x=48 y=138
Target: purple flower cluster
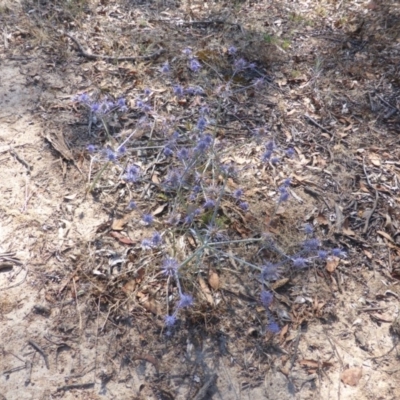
x=102 y=107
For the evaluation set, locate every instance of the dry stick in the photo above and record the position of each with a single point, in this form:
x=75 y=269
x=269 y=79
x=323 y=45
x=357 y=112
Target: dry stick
x=202 y=393
x=16 y=284
x=314 y=122
x=76 y=386
x=20 y=159
x=77 y=305
x=375 y=202
x=388 y=104
x=40 y=351
x=91 y=56
x=97 y=339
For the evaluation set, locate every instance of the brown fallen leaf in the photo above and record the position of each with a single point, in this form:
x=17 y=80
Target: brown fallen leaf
x=206 y=291
x=385 y=235
x=148 y=303
x=332 y=263
x=315 y=364
x=351 y=376
x=129 y=287
x=121 y=238
x=279 y=283
x=118 y=224
x=213 y=279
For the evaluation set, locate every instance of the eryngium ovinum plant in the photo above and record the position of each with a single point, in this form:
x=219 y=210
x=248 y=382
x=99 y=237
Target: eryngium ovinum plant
x=195 y=185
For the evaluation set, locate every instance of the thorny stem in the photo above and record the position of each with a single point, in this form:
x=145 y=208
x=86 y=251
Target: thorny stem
x=91 y=187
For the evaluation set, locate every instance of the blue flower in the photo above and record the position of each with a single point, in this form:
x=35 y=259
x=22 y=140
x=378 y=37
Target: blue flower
x=270 y=145
x=266 y=156
x=170 y=267
x=308 y=229
x=244 y=205
x=174 y=179
x=284 y=194
x=266 y=298
x=274 y=160
x=91 y=148
x=322 y=254
x=170 y=320
x=156 y=240
x=273 y=327
x=339 y=253
x=146 y=244
x=121 y=104
x=194 y=65
x=290 y=152
x=232 y=50
x=131 y=205
x=165 y=68
x=269 y=272
x=178 y=90
x=287 y=182
x=240 y=64
x=147 y=219
x=83 y=98
x=121 y=150
x=311 y=244
x=183 y=154
x=110 y=155
x=168 y=152
x=185 y=301
x=201 y=124
x=300 y=262
x=238 y=193
x=208 y=204
x=132 y=174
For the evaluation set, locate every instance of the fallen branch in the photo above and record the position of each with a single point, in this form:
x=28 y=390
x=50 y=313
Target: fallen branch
x=76 y=386
x=41 y=352
x=314 y=122
x=91 y=56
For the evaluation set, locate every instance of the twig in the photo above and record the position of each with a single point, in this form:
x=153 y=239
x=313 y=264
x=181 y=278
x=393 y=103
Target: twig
x=77 y=305
x=16 y=284
x=20 y=159
x=40 y=351
x=91 y=56
x=202 y=393
x=367 y=220
x=314 y=122
x=9 y=371
x=386 y=103
x=88 y=385
x=386 y=354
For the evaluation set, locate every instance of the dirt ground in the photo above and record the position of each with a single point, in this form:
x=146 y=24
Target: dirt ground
x=333 y=93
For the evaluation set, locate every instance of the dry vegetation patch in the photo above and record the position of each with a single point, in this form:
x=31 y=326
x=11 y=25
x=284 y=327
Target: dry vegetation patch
x=122 y=120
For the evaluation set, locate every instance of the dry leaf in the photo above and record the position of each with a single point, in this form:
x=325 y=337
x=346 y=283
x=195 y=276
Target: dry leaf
x=206 y=291
x=280 y=283
x=159 y=209
x=121 y=238
x=284 y=331
x=368 y=254
x=129 y=287
x=149 y=304
x=375 y=159
x=332 y=263
x=385 y=235
x=351 y=376
x=118 y=224
x=213 y=280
